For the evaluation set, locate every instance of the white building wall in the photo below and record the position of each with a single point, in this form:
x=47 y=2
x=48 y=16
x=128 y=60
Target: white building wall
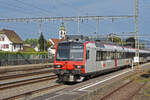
x=51 y=51
x=8 y=42
x=5 y=42
x=62 y=34
x=17 y=48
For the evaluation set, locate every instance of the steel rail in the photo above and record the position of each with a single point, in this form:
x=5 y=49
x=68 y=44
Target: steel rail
x=124 y=85
x=24 y=75
x=26 y=82
x=35 y=91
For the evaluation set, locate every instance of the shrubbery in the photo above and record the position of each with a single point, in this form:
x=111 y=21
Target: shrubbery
x=23 y=55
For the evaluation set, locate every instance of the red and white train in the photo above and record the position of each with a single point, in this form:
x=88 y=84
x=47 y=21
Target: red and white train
x=77 y=60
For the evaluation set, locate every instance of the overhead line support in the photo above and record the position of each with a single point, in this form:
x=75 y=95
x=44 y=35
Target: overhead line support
x=137 y=31
x=74 y=18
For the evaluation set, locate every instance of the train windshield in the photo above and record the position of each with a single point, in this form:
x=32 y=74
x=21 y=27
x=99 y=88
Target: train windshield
x=70 y=52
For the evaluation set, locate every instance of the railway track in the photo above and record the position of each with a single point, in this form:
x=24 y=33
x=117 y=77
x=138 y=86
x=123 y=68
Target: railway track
x=25 y=82
x=126 y=91
x=18 y=85
x=29 y=83
x=16 y=78
x=23 y=74
x=28 y=95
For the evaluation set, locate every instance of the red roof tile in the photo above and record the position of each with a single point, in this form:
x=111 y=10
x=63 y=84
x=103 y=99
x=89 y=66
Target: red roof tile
x=55 y=41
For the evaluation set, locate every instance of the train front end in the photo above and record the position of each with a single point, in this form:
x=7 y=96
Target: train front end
x=69 y=61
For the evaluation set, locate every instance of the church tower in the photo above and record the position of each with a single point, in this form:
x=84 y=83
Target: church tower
x=62 y=31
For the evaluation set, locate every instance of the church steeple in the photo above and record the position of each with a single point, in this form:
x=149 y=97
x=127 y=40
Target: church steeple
x=62 y=31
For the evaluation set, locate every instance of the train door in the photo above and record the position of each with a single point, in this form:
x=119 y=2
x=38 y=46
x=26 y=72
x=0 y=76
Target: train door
x=116 y=56
x=90 y=65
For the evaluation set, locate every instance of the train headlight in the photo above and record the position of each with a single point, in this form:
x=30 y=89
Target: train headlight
x=58 y=66
x=79 y=66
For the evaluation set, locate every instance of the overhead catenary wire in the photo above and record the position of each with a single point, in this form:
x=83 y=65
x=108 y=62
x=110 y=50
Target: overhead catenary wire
x=16 y=8
x=73 y=18
x=60 y=0
x=77 y=10
x=44 y=11
x=71 y=7
x=48 y=12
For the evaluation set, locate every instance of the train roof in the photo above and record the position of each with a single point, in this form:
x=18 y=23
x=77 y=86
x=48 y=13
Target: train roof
x=112 y=47
x=101 y=45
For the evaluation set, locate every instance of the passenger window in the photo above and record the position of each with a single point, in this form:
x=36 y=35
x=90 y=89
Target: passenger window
x=102 y=55
x=105 y=55
x=87 y=54
x=98 y=55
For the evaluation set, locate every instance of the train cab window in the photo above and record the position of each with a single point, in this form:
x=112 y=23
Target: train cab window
x=87 y=54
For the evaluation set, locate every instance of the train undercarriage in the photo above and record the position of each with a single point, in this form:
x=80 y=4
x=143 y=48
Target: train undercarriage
x=69 y=75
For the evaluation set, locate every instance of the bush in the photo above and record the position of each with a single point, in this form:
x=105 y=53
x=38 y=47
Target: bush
x=23 y=55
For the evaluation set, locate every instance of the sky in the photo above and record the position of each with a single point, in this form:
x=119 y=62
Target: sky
x=65 y=8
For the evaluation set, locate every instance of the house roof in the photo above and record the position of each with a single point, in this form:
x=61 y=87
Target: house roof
x=12 y=36
x=54 y=41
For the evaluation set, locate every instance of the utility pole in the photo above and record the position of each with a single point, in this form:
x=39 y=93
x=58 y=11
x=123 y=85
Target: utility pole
x=40 y=27
x=137 y=32
x=97 y=25
x=78 y=26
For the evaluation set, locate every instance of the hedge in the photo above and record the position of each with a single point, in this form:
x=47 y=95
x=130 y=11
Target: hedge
x=35 y=53
x=23 y=55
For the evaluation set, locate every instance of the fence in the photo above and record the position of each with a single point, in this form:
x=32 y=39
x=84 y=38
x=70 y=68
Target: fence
x=20 y=58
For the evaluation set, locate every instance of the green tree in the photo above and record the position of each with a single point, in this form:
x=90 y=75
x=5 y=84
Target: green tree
x=48 y=45
x=34 y=41
x=27 y=41
x=114 y=39
x=42 y=43
x=31 y=41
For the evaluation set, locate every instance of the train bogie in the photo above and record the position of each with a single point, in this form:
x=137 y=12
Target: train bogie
x=69 y=76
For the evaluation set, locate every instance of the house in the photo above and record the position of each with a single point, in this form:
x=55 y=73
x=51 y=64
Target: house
x=10 y=41
x=28 y=48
